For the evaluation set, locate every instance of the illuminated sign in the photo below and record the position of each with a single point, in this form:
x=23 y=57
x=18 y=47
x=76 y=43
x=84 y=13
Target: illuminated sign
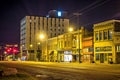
x=106 y=48
x=67 y=52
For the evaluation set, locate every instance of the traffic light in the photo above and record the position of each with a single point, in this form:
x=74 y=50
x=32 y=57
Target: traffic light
x=11 y=50
x=8 y=50
x=14 y=50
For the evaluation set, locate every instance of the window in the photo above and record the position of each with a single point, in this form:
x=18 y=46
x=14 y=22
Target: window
x=100 y=35
x=61 y=44
x=55 y=34
x=85 y=50
x=105 y=35
x=62 y=30
x=58 y=29
x=74 y=42
x=109 y=34
x=91 y=49
x=96 y=36
x=97 y=56
x=51 y=34
x=118 y=48
x=109 y=54
x=50 y=29
x=65 y=43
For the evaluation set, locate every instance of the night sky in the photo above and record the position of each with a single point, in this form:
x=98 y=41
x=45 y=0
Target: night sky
x=12 y=11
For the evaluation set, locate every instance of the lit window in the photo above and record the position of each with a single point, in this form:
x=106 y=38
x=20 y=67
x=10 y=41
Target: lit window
x=100 y=35
x=59 y=13
x=74 y=42
x=110 y=34
x=97 y=56
x=105 y=35
x=118 y=48
x=96 y=36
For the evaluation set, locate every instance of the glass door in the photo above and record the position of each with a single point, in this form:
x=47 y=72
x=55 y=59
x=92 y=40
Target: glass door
x=101 y=58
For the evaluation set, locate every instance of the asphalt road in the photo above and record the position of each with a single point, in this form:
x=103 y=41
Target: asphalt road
x=69 y=71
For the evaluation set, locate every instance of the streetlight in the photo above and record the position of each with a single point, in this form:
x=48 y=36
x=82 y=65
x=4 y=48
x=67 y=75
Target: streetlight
x=30 y=55
x=70 y=29
x=21 y=50
x=31 y=45
x=41 y=37
x=38 y=52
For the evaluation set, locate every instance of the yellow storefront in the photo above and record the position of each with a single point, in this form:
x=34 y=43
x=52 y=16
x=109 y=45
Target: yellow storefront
x=106 y=42
x=104 y=52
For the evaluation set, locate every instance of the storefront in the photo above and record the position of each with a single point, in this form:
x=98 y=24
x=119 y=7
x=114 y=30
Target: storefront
x=64 y=56
x=103 y=54
x=67 y=56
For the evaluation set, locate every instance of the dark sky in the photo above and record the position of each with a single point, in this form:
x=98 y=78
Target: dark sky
x=12 y=11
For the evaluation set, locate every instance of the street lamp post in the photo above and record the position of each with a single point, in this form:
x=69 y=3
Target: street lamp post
x=30 y=55
x=38 y=52
x=78 y=27
x=41 y=36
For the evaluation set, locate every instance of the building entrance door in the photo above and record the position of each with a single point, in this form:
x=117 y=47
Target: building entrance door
x=102 y=58
x=74 y=58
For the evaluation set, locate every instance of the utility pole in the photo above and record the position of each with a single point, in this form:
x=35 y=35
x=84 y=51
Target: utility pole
x=78 y=19
x=78 y=28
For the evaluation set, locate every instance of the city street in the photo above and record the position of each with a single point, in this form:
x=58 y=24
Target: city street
x=68 y=71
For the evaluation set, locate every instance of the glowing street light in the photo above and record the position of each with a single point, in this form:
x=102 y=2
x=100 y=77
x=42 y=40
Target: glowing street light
x=42 y=36
x=38 y=43
x=31 y=45
x=70 y=29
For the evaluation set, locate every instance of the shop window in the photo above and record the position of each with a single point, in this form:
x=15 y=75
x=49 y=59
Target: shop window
x=97 y=49
x=91 y=49
x=86 y=57
x=97 y=56
x=85 y=50
x=109 y=54
x=109 y=34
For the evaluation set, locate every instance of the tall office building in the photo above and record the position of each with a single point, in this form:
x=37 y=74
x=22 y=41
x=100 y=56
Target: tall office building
x=30 y=29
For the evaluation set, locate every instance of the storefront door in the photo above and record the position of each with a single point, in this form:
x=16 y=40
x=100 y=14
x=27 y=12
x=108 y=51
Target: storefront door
x=102 y=58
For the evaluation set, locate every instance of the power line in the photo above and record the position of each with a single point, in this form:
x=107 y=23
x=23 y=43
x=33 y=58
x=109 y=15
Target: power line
x=95 y=6
x=91 y=6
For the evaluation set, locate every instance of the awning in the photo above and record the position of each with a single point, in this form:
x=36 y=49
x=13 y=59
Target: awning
x=52 y=52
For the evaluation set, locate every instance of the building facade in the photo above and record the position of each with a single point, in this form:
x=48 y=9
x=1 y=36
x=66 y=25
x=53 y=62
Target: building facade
x=107 y=42
x=65 y=47
x=88 y=48
x=30 y=29
x=59 y=45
